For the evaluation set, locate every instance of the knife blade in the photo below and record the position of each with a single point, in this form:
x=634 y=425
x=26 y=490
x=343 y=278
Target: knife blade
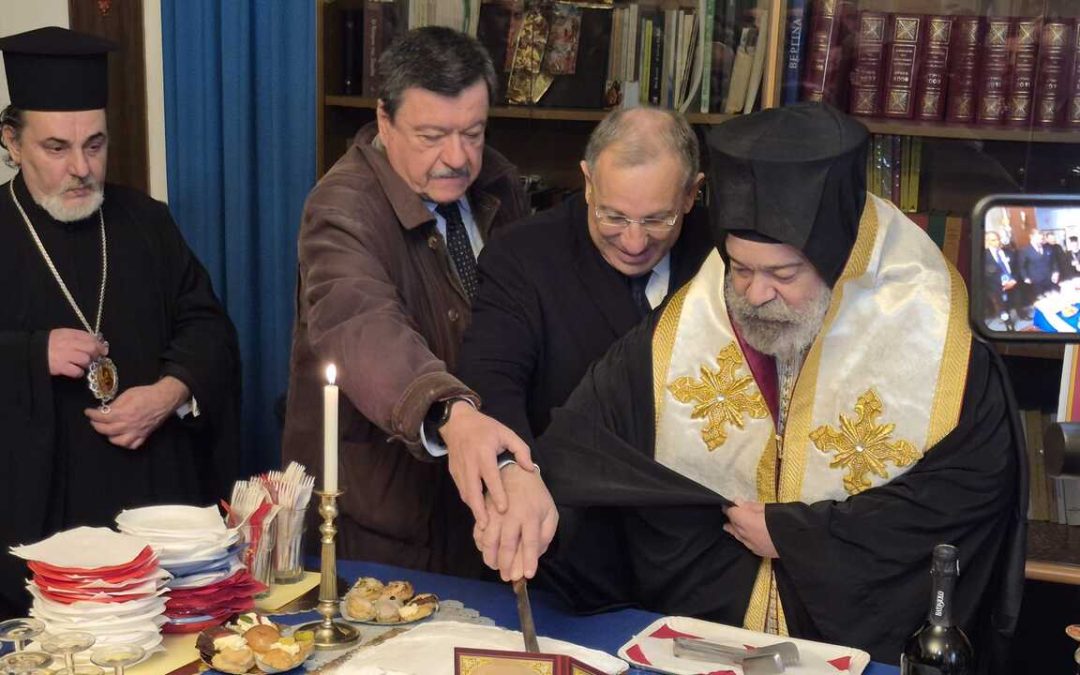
x=525 y=616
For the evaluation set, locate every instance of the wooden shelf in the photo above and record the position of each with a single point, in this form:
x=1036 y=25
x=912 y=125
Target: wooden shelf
x=1038 y=350
x=963 y=131
x=528 y=112
x=1053 y=553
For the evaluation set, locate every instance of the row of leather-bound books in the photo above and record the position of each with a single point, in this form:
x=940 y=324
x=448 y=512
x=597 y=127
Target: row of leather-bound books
x=950 y=68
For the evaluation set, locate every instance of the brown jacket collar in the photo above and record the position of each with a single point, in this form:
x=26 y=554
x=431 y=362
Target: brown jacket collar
x=409 y=207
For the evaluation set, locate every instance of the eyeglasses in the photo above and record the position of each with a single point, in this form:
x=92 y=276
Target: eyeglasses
x=616 y=222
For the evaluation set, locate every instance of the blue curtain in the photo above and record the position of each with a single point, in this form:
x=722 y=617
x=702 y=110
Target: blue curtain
x=240 y=144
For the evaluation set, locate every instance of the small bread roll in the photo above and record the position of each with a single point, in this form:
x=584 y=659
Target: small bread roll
x=368 y=588
x=401 y=591
x=234 y=661
x=386 y=611
x=278 y=659
x=358 y=608
x=260 y=638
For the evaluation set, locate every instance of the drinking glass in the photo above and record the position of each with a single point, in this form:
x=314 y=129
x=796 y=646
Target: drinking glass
x=68 y=644
x=259 y=554
x=117 y=656
x=24 y=663
x=20 y=631
x=288 y=552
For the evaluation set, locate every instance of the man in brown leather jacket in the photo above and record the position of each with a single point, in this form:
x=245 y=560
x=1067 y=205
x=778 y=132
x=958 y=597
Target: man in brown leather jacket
x=387 y=272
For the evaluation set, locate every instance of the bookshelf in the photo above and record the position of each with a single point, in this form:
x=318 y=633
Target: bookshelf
x=523 y=129
x=970 y=132
x=528 y=112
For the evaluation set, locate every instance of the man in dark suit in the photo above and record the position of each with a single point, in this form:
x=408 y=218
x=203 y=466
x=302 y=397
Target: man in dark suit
x=1039 y=265
x=999 y=272
x=1071 y=267
x=557 y=289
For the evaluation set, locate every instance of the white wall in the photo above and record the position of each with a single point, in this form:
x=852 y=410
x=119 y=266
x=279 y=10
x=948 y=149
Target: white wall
x=17 y=16
x=155 y=101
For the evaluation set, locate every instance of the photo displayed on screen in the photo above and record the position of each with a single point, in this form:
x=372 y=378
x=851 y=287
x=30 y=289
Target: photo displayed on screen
x=1031 y=269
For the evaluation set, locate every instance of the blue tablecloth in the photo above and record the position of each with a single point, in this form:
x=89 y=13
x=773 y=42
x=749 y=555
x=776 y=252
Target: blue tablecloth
x=606 y=632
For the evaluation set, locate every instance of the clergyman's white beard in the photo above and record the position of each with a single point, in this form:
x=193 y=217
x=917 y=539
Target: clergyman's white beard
x=775 y=328
x=56 y=207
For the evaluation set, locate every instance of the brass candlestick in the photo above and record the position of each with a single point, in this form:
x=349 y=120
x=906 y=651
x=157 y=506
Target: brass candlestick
x=329 y=634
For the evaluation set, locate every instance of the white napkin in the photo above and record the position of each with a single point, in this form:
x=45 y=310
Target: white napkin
x=83 y=548
x=171 y=518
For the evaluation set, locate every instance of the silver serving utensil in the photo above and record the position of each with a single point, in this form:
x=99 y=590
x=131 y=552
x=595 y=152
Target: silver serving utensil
x=772 y=658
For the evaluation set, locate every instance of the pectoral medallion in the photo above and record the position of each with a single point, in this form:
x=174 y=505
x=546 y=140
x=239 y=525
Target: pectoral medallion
x=103 y=380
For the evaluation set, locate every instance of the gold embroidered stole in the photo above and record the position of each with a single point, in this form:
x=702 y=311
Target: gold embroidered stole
x=882 y=383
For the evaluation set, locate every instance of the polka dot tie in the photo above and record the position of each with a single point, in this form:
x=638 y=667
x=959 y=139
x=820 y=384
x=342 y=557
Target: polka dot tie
x=461 y=252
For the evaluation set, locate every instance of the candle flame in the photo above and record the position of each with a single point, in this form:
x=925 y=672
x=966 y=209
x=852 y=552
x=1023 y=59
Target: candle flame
x=331 y=374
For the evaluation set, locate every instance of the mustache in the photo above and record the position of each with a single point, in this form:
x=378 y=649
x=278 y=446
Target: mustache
x=82 y=183
x=773 y=311
x=462 y=172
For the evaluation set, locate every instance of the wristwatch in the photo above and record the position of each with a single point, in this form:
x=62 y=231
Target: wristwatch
x=439 y=414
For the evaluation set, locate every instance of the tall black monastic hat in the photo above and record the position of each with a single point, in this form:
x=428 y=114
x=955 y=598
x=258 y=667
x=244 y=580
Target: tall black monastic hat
x=57 y=69
x=795 y=175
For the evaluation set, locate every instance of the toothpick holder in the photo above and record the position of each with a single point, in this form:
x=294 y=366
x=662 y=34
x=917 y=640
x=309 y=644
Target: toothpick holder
x=329 y=634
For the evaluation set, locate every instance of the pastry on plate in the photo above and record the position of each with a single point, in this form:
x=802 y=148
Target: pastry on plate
x=368 y=588
x=358 y=608
x=401 y=591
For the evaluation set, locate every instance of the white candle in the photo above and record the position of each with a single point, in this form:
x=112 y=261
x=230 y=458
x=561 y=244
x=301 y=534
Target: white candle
x=330 y=431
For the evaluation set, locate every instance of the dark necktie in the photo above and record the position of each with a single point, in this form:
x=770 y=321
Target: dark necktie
x=637 y=292
x=457 y=242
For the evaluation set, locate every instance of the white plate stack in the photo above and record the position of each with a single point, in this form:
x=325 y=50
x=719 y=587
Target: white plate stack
x=203 y=555
x=96 y=580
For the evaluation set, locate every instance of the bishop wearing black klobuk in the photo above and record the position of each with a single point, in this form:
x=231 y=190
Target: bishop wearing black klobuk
x=893 y=373
x=158 y=314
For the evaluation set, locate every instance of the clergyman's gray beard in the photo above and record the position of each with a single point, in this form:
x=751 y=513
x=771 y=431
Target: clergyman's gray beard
x=775 y=328
x=54 y=204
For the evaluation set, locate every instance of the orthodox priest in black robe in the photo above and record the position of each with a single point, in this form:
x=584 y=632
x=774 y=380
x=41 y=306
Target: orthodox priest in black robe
x=884 y=430
x=141 y=315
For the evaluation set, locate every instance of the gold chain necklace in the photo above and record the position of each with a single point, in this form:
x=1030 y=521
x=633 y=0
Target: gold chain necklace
x=101 y=376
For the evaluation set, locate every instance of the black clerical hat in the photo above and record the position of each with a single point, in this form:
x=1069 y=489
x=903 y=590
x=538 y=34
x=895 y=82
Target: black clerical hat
x=795 y=175
x=57 y=69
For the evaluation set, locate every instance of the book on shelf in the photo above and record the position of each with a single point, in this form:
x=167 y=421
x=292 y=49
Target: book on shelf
x=824 y=76
x=461 y=15
x=895 y=169
x=903 y=40
x=667 y=63
x=725 y=47
x=1051 y=85
x=963 y=254
x=383 y=21
x=1024 y=48
x=656 y=59
x=950 y=243
x=794 y=51
x=866 y=72
x=493 y=31
x=901 y=159
x=351 y=51
x=963 y=69
x=933 y=72
x=1072 y=78
x=740 y=72
x=757 y=67
x=995 y=77
x=614 y=85
x=582 y=65
x=708 y=25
